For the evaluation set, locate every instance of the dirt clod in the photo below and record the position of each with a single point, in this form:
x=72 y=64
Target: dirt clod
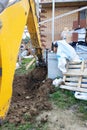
x=30 y=96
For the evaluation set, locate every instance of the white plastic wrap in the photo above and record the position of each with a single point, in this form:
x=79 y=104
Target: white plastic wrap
x=65 y=52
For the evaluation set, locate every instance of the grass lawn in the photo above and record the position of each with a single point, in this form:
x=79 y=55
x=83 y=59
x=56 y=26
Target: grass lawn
x=65 y=100
x=22 y=69
x=26 y=126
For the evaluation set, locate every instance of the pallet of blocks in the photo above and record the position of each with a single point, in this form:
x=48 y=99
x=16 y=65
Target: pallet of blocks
x=75 y=78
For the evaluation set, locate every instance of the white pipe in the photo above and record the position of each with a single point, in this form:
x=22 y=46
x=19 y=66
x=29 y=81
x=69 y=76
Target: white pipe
x=53 y=15
x=62 y=15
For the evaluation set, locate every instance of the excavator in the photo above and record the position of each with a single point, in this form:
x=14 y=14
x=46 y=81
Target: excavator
x=14 y=15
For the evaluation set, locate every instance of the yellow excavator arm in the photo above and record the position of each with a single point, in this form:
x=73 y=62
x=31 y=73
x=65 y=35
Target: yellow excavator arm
x=12 y=22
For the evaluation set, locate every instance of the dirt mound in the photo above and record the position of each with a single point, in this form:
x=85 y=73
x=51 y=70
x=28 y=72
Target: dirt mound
x=30 y=94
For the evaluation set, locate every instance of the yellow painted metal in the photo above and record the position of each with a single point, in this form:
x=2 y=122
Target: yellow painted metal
x=33 y=26
x=13 y=21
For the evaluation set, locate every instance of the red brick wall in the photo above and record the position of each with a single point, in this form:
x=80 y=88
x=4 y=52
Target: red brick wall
x=59 y=23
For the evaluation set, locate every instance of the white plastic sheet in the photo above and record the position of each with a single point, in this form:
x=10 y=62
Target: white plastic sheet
x=65 y=52
x=57 y=82
x=81 y=95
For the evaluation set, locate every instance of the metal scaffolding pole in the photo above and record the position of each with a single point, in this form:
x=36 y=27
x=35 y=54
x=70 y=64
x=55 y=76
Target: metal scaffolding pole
x=63 y=15
x=53 y=15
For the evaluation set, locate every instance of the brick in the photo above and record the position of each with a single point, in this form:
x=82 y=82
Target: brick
x=66 y=21
x=83 y=23
x=75 y=37
x=75 y=24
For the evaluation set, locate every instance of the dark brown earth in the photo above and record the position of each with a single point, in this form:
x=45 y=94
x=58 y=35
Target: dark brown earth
x=30 y=104
x=30 y=96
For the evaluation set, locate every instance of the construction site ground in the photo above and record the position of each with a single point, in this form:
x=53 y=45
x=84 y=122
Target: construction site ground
x=33 y=103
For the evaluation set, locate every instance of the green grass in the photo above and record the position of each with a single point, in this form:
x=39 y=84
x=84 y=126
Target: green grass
x=22 y=69
x=65 y=99
x=26 y=126
x=9 y=126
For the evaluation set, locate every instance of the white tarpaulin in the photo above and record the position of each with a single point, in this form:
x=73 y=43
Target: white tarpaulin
x=65 y=52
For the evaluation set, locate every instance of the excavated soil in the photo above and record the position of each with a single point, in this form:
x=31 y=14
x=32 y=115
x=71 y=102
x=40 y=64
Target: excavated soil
x=30 y=96
x=30 y=104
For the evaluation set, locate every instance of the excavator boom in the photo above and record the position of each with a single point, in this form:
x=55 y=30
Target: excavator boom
x=12 y=22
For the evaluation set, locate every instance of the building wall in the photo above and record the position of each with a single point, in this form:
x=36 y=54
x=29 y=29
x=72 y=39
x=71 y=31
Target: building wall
x=66 y=21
